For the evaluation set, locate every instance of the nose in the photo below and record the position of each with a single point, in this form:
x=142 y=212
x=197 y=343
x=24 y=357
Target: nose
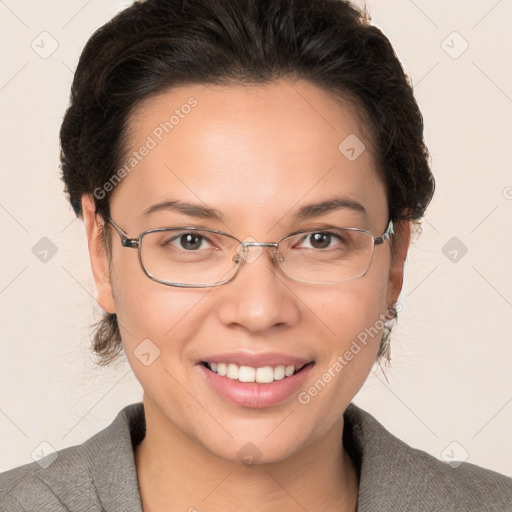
x=259 y=298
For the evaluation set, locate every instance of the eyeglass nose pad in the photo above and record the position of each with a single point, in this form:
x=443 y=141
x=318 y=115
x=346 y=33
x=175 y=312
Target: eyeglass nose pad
x=243 y=252
x=243 y=255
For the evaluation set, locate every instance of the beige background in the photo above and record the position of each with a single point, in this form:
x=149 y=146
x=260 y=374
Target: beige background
x=450 y=379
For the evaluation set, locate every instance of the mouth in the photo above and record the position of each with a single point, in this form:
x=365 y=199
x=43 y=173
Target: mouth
x=260 y=375
x=251 y=387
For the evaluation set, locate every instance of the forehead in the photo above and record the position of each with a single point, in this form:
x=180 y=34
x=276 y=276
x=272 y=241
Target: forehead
x=263 y=147
x=301 y=103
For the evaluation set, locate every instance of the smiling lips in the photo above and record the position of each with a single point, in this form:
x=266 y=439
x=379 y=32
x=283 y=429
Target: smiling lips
x=261 y=368
x=255 y=381
x=261 y=375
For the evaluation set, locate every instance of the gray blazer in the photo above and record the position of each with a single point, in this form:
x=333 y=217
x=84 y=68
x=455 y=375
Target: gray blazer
x=100 y=475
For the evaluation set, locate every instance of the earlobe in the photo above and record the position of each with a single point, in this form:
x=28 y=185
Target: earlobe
x=400 y=245
x=97 y=254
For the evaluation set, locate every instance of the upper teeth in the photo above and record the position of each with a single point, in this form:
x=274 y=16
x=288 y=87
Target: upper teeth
x=263 y=375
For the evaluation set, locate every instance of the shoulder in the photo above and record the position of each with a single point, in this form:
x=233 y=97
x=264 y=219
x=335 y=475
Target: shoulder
x=395 y=477
x=85 y=477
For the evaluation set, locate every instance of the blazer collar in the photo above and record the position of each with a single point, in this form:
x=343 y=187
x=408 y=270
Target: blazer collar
x=392 y=475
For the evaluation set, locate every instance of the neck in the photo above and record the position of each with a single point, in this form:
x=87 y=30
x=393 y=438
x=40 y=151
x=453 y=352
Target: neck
x=177 y=473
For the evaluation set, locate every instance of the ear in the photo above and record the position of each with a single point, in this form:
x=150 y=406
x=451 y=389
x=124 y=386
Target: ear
x=97 y=253
x=399 y=246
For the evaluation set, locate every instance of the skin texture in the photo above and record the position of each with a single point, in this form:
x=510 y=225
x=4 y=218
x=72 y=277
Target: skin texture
x=256 y=154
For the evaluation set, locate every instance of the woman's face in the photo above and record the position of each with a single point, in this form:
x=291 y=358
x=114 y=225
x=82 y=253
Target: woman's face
x=255 y=156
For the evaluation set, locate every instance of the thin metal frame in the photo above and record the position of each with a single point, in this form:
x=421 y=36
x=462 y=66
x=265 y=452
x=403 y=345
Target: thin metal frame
x=136 y=243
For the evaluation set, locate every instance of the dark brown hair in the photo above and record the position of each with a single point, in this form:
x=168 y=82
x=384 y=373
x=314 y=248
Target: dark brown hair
x=155 y=45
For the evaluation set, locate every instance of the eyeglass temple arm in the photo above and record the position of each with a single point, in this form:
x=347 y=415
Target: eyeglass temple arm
x=126 y=241
x=389 y=231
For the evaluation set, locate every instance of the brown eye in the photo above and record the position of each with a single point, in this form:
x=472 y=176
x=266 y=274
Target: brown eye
x=186 y=241
x=191 y=241
x=321 y=240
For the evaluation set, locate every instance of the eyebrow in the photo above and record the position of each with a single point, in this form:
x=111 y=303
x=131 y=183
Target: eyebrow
x=305 y=212
x=190 y=209
x=323 y=207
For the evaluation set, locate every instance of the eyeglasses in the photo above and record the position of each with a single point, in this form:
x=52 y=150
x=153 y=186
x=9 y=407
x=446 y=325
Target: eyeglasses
x=192 y=257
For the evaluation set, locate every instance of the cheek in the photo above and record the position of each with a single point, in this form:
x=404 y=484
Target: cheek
x=149 y=310
x=158 y=325
x=353 y=315
x=355 y=306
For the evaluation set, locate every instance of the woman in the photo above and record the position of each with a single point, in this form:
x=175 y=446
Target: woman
x=249 y=174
